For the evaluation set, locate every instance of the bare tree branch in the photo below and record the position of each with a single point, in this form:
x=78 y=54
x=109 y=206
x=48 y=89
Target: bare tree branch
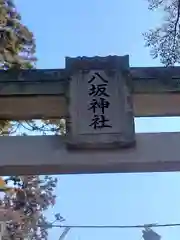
x=164 y=41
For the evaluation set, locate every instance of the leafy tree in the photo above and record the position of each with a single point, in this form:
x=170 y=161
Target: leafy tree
x=31 y=195
x=25 y=202
x=17 y=45
x=164 y=40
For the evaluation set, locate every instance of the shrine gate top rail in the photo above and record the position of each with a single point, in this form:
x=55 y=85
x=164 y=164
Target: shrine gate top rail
x=43 y=93
x=62 y=93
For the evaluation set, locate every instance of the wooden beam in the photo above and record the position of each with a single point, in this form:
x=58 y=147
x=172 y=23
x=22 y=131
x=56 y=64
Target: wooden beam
x=56 y=107
x=158 y=73
x=156 y=105
x=35 y=94
x=154 y=152
x=155 y=79
x=55 y=81
x=33 y=107
x=151 y=79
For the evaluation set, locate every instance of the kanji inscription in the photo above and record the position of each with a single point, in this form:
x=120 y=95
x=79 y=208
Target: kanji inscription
x=99 y=102
x=100 y=107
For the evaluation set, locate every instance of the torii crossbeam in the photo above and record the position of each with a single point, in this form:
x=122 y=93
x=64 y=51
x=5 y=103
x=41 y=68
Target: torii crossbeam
x=45 y=94
x=36 y=94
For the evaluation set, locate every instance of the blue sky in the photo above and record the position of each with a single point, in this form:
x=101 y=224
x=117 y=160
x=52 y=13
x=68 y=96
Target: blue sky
x=103 y=27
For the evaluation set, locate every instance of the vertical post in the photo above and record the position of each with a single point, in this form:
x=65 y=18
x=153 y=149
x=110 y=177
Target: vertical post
x=100 y=108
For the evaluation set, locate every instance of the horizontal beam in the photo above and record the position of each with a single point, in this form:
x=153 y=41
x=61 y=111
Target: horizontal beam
x=158 y=73
x=56 y=107
x=154 y=152
x=156 y=105
x=33 y=107
x=55 y=81
x=33 y=94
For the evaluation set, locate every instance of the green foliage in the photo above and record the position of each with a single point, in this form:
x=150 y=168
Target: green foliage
x=17 y=44
x=164 y=41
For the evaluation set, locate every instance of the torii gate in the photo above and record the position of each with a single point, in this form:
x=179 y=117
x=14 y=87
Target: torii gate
x=63 y=93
